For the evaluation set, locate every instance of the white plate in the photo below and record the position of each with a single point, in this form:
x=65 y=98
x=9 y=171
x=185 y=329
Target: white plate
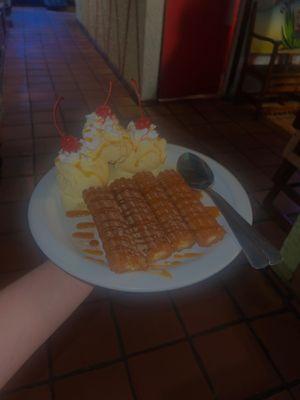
x=52 y=232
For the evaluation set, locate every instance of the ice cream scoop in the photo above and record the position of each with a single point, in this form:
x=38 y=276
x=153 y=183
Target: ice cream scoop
x=149 y=150
x=76 y=172
x=76 y=167
x=103 y=129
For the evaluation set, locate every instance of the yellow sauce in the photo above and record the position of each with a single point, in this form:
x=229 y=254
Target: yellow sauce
x=213 y=211
x=161 y=272
x=94 y=243
x=83 y=235
x=101 y=262
x=136 y=164
x=162 y=156
x=87 y=174
x=93 y=252
x=188 y=255
x=167 y=264
x=77 y=213
x=103 y=147
x=85 y=225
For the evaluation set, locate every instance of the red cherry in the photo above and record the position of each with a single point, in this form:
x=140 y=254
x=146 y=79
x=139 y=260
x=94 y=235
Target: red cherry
x=143 y=123
x=70 y=144
x=104 y=111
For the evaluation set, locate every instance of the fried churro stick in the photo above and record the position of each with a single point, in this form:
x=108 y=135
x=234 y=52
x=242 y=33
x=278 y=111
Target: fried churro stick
x=166 y=213
x=205 y=228
x=120 y=248
x=144 y=227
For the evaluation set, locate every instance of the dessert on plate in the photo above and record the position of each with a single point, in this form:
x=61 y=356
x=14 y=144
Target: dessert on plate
x=149 y=149
x=105 y=133
x=141 y=212
x=76 y=169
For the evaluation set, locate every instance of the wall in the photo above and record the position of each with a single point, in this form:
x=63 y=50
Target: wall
x=196 y=45
x=129 y=33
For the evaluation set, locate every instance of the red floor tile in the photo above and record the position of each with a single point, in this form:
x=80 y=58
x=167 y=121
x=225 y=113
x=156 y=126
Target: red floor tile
x=236 y=364
x=281 y=396
x=42 y=95
x=262 y=157
x=15 y=189
x=146 y=321
x=272 y=232
x=44 y=162
x=17 y=148
x=257 y=127
x=17 y=119
x=252 y=291
x=109 y=383
x=19 y=251
x=205 y=306
x=75 y=115
x=38 y=393
x=169 y=373
x=296 y=392
x=87 y=338
x=44 y=130
x=13 y=217
x=49 y=145
x=16 y=132
x=157 y=110
x=281 y=336
x=181 y=107
x=231 y=130
x=193 y=119
x=44 y=117
x=33 y=371
x=17 y=166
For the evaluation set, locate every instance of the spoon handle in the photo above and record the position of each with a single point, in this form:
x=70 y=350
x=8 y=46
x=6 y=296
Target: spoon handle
x=259 y=252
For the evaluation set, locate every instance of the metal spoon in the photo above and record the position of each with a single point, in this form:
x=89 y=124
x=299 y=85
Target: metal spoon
x=259 y=252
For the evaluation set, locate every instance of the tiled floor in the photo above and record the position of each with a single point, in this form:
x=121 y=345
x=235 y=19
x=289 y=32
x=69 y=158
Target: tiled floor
x=234 y=337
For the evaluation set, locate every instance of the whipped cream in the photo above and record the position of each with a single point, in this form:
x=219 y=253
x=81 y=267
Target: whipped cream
x=142 y=134
x=95 y=123
x=68 y=158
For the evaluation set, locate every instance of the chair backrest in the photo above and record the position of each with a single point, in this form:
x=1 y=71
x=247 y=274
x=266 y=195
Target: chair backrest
x=292 y=149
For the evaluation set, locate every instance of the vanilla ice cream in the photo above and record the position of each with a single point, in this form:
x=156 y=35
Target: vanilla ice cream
x=148 y=153
x=76 y=172
x=114 y=143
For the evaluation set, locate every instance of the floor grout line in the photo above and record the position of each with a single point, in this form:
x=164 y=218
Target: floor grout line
x=196 y=355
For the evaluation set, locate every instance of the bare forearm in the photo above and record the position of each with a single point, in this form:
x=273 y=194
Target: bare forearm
x=31 y=309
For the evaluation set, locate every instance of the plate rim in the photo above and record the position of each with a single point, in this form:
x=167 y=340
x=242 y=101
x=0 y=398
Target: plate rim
x=61 y=262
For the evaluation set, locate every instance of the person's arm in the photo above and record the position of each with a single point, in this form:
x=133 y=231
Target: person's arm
x=31 y=309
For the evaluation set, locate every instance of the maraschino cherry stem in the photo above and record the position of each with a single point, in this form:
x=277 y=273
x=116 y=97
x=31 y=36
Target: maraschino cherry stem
x=109 y=93
x=55 y=108
x=68 y=143
x=138 y=95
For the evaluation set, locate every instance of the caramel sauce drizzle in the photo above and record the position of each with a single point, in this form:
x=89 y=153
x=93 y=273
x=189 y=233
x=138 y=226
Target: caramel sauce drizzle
x=85 y=225
x=101 y=262
x=94 y=243
x=93 y=252
x=77 y=213
x=213 y=211
x=83 y=235
x=187 y=255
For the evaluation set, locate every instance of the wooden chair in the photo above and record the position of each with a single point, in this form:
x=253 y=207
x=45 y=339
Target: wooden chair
x=290 y=164
x=279 y=79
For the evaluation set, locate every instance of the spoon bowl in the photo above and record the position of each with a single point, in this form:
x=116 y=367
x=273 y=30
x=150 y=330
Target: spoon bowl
x=195 y=171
